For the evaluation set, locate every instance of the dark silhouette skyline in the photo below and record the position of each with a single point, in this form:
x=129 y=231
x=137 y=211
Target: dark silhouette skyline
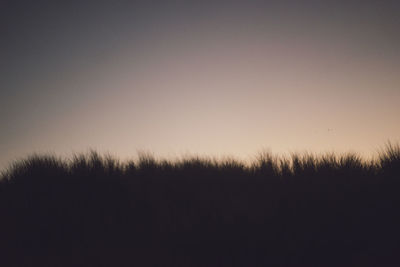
x=304 y=211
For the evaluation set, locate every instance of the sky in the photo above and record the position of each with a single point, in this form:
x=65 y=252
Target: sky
x=209 y=78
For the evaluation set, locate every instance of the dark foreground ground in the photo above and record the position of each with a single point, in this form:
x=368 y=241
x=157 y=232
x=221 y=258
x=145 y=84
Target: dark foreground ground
x=306 y=211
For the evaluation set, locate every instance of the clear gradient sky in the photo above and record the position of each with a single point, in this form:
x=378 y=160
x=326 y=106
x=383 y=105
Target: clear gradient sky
x=202 y=77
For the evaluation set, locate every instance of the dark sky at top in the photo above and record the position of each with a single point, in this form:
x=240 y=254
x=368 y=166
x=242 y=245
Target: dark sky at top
x=55 y=56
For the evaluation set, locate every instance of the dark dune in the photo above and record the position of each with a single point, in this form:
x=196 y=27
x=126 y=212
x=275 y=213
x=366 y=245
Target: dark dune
x=304 y=211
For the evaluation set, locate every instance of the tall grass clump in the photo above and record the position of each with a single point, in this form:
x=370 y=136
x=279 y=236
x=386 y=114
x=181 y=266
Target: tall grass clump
x=93 y=165
x=389 y=160
x=36 y=168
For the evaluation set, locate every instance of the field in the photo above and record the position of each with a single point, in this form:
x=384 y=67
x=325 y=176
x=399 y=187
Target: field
x=306 y=210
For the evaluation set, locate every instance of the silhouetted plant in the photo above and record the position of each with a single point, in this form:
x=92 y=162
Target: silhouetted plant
x=36 y=167
x=266 y=165
x=389 y=159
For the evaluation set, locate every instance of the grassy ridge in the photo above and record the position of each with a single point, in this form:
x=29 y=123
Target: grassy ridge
x=93 y=210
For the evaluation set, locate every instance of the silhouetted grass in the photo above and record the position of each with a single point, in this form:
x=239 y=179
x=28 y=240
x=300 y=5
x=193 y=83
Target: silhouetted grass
x=306 y=210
